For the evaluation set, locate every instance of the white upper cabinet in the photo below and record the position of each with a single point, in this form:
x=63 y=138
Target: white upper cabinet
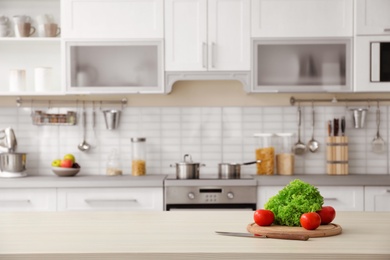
x=203 y=35
x=373 y=17
x=302 y=18
x=141 y=19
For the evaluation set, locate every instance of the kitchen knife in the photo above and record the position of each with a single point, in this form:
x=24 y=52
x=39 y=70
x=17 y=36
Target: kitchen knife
x=335 y=127
x=329 y=127
x=269 y=235
x=343 y=126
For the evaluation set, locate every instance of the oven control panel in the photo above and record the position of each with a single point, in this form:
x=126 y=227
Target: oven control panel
x=204 y=195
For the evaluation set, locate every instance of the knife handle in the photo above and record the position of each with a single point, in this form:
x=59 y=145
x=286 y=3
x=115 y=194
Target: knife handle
x=287 y=236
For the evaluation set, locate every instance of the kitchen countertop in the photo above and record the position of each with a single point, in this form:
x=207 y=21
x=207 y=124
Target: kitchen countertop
x=157 y=180
x=179 y=235
x=83 y=181
x=326 y=180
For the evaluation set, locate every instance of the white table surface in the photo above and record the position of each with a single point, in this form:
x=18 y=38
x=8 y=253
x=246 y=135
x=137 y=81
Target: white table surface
x=179 y=235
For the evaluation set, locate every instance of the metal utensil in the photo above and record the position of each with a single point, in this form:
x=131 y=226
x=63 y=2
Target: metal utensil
x=269 y=235
x=299 y=147
x=313 y=144
x=378 y=144
x=84 y=146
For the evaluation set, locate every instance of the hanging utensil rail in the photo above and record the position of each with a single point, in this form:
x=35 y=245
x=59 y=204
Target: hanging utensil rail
x=56 y=103
x=334 y=100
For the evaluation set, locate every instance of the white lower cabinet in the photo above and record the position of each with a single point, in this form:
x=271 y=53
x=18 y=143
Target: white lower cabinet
x=28 y=199
x=116 y=199
x=342 y=198
x=377 y=198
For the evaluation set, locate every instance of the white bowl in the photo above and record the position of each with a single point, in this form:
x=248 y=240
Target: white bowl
x=65 y=172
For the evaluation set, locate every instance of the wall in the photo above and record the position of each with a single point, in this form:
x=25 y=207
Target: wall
x=213 y=121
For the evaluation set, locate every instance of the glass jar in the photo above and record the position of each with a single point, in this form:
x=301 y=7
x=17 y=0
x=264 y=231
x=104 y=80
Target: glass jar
x=265 y=151
x=284 y=154
x=138 y=162
x=113 y=164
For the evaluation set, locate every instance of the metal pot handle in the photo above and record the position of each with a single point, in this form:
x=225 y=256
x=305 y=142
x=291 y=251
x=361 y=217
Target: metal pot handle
x=253 y=162
x=186 y=156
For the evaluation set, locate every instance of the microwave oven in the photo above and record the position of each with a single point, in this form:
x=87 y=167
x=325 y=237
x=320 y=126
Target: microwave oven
x=380 y=61
x=372 y=63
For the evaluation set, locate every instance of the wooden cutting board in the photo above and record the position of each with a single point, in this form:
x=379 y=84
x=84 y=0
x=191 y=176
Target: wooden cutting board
x=322 y=231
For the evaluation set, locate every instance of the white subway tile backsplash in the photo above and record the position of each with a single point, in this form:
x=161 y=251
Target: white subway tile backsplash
x=210 y=134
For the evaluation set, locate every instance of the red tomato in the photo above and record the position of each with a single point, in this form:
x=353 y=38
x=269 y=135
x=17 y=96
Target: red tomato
x=310 y=220
x=327 y=214
x=263 y=217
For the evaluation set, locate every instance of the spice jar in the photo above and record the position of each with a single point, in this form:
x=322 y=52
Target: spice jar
x=138 y=162
x=265 y=152
x=284 y=155
x=113 y=164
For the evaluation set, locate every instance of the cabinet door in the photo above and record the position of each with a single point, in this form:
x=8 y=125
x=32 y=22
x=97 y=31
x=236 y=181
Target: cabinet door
x=32 y=199
x=229 y=35
x=302 y=18
x=118 y=199
x=373 y=17
x=342 y=198
x=377 y=198
x=112 y=18
x=185 y=35
x=114 y=67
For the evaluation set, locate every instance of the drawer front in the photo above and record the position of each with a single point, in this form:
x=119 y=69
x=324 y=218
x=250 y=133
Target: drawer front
x=377 y=198
x=117 y=199
x=27 y=199
x=342 y=198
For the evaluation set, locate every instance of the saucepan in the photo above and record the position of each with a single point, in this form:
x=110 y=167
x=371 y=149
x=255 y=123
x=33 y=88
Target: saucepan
x=232 y=170
x=187 y=169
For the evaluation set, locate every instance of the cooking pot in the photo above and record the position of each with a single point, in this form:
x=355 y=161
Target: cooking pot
x=232 y=170
x=13 y=162
x=187 y=169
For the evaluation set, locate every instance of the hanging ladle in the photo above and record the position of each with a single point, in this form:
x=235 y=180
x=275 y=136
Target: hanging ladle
x=84 y=146
x=313 y=144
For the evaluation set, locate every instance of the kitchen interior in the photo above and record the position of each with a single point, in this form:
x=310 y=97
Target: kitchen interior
x=165 y=109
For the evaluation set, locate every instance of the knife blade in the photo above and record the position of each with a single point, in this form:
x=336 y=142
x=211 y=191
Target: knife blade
x=269 y=235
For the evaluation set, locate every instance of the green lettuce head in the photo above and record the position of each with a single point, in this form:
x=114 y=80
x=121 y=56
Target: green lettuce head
x=292 y=201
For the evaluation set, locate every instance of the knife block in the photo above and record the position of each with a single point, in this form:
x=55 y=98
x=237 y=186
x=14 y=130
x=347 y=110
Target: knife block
x=337 y=155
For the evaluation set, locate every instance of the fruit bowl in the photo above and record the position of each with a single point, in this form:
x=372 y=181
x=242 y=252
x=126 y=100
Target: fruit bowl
x=65 y=172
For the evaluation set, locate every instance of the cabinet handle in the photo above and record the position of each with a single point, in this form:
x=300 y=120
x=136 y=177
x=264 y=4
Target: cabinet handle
x=110 y=200
x=17 y=201
x=330 y=199
x=204 y=54
x=386 y=30
x=213 y=54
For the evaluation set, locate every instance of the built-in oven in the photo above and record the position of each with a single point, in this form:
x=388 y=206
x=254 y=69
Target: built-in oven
x=210 y=194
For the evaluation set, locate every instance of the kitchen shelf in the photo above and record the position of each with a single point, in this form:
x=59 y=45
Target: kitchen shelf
x=30 y=39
